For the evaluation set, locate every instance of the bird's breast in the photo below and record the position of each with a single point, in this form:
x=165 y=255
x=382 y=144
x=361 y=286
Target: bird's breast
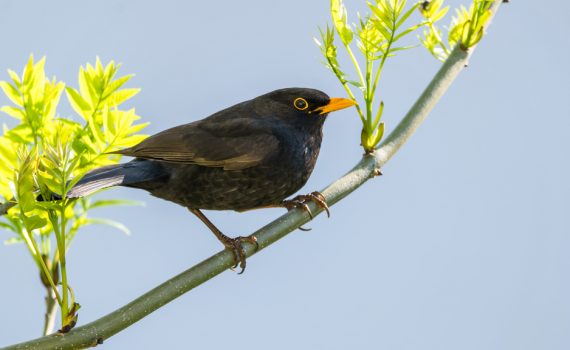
x=299 y=152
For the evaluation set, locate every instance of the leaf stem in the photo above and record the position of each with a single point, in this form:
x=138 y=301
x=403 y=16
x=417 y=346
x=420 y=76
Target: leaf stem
x=60 y=239
x=383 y=61
x=438 y=37
x=33 y=248
x=346 y=87
x=355 y=63
x=369 y=96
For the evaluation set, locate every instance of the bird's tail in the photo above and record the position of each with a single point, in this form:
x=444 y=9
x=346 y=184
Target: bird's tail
x=130 y=174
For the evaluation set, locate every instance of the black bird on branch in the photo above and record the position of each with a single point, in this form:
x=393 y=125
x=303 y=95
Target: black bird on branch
x=249 y=156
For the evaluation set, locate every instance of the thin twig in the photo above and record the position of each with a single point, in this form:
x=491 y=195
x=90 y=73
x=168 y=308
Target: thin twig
x=51 y=311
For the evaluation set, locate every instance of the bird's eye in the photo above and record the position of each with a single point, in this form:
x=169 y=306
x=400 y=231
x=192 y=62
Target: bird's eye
x=301 y=104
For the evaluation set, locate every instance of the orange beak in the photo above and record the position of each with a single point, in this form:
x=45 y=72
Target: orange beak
x=335 y=104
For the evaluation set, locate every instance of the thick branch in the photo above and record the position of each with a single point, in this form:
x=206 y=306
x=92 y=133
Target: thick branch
x=95 y=332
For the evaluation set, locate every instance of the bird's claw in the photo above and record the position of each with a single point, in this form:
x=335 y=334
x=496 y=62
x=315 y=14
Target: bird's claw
x=235 y=245
x=302 y=200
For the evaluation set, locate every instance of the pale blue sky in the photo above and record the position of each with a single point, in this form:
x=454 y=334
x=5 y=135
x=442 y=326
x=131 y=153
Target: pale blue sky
x=462 y=244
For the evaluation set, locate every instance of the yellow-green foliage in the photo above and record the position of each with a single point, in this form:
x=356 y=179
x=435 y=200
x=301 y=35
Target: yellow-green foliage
x=376 y=36
x=466 y=29
x=45 y=154
x=50 y=152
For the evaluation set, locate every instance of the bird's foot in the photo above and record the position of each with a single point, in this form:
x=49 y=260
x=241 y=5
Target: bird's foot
x=302 y=200
x=235 y=245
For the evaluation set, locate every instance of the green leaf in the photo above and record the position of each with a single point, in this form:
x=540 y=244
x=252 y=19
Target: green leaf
x=25 y=181
x=401 y=48
x=406 y=32
x=404 y=17
x=13 y=240
x=20 y=134
x=108 y=222
x=385 y=31
x=378 y=115
x=116 y=84
x=110 y=71
x=12 y=93
x=121 y=96
x=13 y=112
x=49 y=205
x=86 y=89
x=8 y=162
x=466 y=33
x=356 y=84
x=127 y=142
x=138 y=127
x=339 y=17
x=34 y=222
x=440 y=14
x=111 y=202
x=379 y=134
x=29 y=69
x=430 y=9
x=78 y=103
x=15 y=78
x=7 y=226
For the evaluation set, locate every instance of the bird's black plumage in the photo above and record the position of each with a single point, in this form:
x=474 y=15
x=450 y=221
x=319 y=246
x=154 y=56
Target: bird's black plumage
x=251 y=155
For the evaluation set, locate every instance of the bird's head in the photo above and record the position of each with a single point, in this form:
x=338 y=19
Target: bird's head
x=301 y=104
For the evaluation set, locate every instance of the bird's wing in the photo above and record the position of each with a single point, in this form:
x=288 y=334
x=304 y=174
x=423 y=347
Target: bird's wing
x=231 y=144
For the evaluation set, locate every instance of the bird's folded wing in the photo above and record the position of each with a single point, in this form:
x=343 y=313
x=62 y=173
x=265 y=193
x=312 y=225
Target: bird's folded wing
x=240 y=147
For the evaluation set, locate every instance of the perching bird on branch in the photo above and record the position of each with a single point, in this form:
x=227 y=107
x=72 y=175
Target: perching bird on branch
x=252 y=155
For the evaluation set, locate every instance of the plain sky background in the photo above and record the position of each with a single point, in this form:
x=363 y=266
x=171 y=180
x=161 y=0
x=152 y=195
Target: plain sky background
x=462 y=244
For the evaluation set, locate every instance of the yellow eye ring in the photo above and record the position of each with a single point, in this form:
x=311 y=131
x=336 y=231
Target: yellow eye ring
x=301 y=104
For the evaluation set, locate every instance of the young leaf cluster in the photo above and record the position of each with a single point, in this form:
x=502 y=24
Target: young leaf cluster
x=44 y=155
x=466 y=29
x=376 y=35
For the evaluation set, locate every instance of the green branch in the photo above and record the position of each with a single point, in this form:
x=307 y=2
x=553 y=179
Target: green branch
x=51 y=311
x=99 y=330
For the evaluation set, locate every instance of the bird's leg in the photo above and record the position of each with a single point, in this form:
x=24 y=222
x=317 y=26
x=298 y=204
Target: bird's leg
x=301 y=201
x=235 y=245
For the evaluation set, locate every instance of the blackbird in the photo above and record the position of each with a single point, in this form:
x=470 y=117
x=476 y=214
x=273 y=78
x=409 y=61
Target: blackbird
x=251 y=155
